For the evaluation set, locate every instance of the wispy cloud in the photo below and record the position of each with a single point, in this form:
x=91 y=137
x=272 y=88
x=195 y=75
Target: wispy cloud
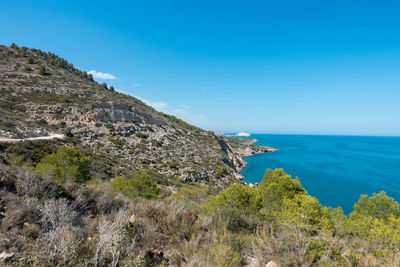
x=206 y=89
x=183 y=112
x=102 y=75
x=136 y=85
x=160 y=106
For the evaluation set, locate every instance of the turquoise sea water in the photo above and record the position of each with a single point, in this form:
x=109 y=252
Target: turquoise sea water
x=334 y=169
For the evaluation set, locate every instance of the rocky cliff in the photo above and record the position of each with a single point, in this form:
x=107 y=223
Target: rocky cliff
x=42 y=94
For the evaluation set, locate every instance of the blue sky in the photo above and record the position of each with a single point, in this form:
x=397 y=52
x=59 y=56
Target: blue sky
x=307 y=67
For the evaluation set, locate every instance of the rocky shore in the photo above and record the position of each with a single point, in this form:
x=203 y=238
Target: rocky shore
x=244 y=147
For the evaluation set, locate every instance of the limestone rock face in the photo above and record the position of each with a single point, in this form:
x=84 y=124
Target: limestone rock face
x=128 y=135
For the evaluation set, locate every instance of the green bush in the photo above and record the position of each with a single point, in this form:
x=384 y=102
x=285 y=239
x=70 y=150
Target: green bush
x=118 y=142
x=235 y=220
x=172 y=165
x=67 y=164
x=140 y=185
x=223 y=255
x=239 y=197
x=142 y=135
x=221 y=172
x=27 y=68
x=42 y=70
x=378 y=206
x=30 y=60
x=68 y=132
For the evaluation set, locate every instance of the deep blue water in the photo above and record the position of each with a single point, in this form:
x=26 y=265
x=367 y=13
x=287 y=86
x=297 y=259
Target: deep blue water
x=334 y=169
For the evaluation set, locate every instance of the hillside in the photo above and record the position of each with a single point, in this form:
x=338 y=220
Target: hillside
x=42 y=93
x=93 y=177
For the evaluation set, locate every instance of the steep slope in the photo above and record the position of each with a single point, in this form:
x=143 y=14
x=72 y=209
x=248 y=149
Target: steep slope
x=43 y=94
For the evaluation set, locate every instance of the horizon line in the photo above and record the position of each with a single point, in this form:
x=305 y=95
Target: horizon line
x=319 y=134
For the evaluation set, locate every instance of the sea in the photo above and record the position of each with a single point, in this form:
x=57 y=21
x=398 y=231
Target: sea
x=334 y=169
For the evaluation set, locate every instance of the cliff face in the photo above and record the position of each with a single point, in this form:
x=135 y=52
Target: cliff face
x=234 y=158
x=119 y=129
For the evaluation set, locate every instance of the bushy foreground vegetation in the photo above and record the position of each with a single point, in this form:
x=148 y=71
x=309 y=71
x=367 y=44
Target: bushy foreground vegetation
x=55 y=213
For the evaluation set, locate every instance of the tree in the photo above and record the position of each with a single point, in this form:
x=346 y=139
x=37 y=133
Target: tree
x=66 y=164
x=379 y=206
x=42 y=70
x=68 y=132
x=104 y=85
x=240 y=197
x=275 y=188
x=13 y=46
x=30 y=60
x=112 y=88
x=90 y=77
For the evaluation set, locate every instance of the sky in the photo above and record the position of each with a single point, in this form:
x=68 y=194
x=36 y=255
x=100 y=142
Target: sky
x=293 y=67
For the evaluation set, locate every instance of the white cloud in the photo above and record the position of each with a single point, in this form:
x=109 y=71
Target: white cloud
x=181 y=112
x=102 y=75
x=160 y=106
x=136 y=85
x=206 y=89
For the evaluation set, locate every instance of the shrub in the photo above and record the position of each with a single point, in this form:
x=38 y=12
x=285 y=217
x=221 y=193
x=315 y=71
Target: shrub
x=142 y=135
x=378 y=206
x=118 y=142
x=221 y=172
x=172 y=165
x=8 y=124
x=223 y=255
x=196 y=194
x=27 y=68
x=31 y=185
x=234 y=219
x=113 y=241
x=110 y=127
x=57 y=214
x=140 y=185
x=67 y=164
x=275 y=187
x=30 y=60
x=42 y=122
x=42 y=70
x=239 y=197
x=68 y=132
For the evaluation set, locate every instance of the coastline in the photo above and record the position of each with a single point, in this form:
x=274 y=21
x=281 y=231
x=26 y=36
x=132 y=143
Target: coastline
x=245 y=147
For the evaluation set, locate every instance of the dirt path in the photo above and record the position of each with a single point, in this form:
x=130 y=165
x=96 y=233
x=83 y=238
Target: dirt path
x=52 y=136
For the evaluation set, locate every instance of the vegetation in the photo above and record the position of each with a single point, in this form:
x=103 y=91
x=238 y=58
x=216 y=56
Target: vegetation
x=141 y=185
x=42 y=70
x=52 y=211
x=68 y=164
x=114 y=191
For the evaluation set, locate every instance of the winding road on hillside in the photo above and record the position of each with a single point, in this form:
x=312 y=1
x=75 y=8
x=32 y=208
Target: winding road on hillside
x=47 y=137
